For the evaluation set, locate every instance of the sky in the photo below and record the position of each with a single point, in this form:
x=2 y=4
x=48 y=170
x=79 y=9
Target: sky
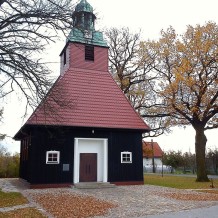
x=149 y=16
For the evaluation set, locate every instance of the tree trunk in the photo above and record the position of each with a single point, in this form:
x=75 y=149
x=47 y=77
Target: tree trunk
x=200 y=145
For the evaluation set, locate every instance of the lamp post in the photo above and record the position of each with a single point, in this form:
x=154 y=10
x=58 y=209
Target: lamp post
x=152 y=147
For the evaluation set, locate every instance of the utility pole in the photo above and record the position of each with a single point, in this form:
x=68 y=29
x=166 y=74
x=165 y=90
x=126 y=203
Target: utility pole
x=152 y=147
x=162 y=165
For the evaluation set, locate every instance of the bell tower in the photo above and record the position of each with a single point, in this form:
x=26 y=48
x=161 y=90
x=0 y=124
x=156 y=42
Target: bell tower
x=93 y=49
x=83 y=17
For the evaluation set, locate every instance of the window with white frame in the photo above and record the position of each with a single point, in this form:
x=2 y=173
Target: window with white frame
x=126 y=157
x=52 y=157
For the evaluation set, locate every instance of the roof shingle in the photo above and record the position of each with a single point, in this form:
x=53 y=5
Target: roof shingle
x=87 y=98
x=147 y=149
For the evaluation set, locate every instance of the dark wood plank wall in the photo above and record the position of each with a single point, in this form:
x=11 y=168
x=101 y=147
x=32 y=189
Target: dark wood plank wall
x=125 y=141
x=24 y=170
x=62 y=139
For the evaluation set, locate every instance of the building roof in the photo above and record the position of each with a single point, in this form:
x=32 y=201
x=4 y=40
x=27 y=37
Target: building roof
x=83 y=30
x=82 y=96
x=84 y=6
x=87 y=98
x=147 y=149
x=77 y=35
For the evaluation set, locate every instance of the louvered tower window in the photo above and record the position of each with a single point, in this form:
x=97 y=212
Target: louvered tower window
x=89 y=53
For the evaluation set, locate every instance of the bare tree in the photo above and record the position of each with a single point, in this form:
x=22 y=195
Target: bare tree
x=129 y=70
x=2 y=136
x=26 y=27
x=123 y=57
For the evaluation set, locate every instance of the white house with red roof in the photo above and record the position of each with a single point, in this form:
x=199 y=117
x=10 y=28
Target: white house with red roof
x=85 y=129
x=151 y=150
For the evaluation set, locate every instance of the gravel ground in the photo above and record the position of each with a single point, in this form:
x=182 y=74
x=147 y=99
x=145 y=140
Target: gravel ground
x=121 y=201
x=142 y=200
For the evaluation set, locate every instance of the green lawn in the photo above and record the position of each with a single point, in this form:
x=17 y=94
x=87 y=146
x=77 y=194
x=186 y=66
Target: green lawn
x=180 y=182
x=8 y=199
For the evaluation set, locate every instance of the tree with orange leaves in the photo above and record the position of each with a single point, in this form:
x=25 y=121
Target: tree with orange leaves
x=185 y=89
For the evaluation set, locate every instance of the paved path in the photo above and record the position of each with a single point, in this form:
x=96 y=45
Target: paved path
x=210 y=212
x=6 y=209
x=11 y=185
x=134 y=201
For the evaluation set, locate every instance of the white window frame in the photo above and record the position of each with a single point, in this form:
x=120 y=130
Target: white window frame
x=126 y=153
x=50 y=153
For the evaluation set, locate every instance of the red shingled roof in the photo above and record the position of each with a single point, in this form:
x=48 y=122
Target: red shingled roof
x=87 y=98
x=147 y=149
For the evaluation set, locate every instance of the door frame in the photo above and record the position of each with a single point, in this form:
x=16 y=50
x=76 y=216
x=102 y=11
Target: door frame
x=102 y=149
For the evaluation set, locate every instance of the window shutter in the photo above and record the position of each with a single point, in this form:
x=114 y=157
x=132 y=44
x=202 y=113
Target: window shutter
x=89 y=53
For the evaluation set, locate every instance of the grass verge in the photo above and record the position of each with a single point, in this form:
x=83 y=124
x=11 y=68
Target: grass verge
x=23 y=213
x=9 y=199
x=180 y=182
